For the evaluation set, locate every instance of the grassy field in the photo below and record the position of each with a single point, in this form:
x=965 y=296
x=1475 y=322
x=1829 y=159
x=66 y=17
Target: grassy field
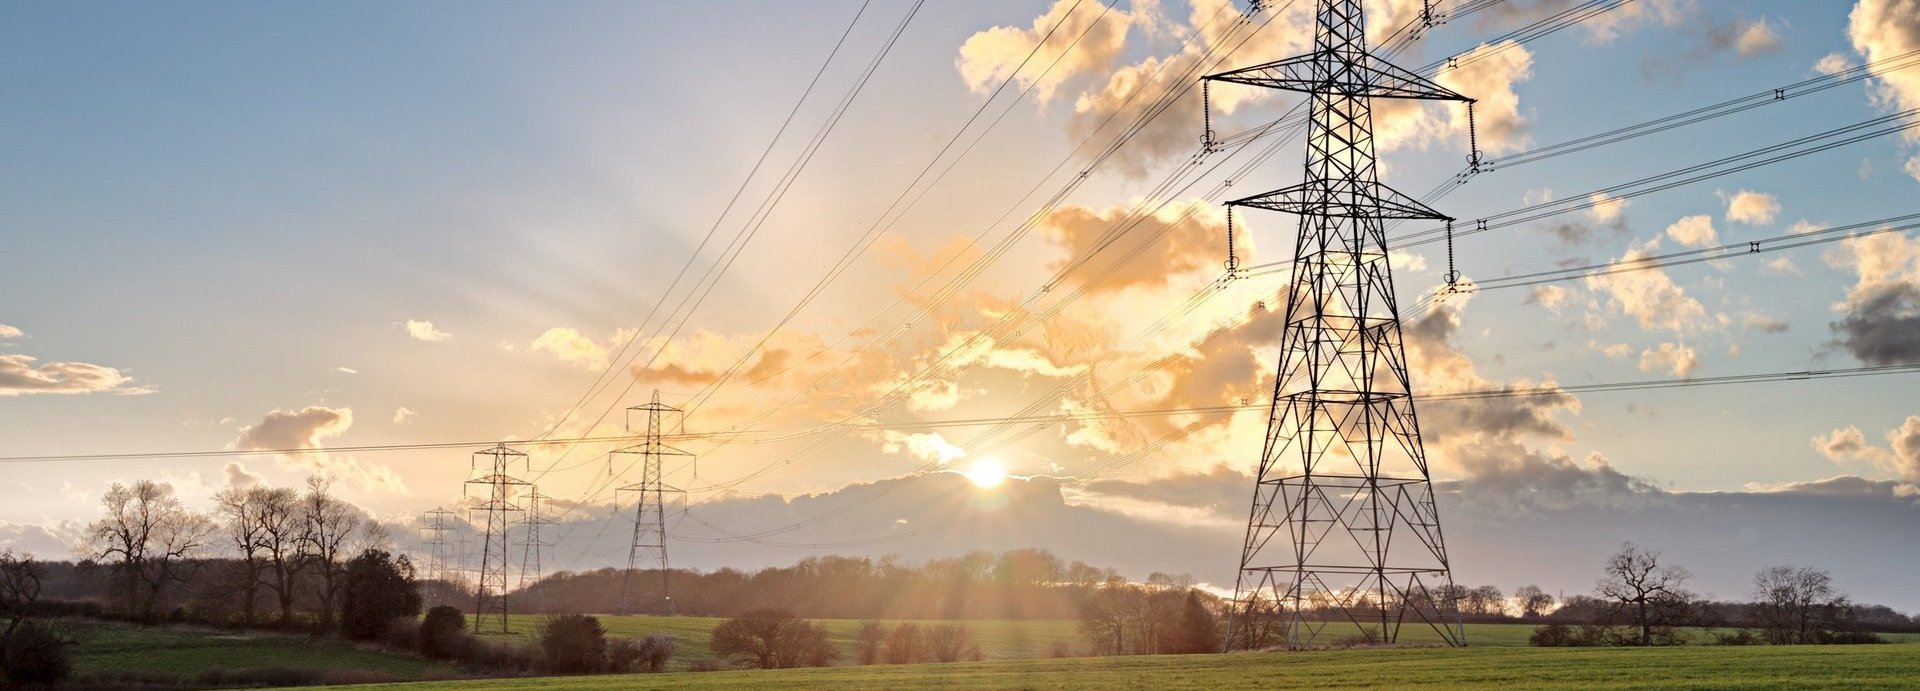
x=186 y=654
x=999 y=639
x=1695 y=667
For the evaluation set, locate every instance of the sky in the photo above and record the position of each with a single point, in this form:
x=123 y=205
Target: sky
x=248 y=228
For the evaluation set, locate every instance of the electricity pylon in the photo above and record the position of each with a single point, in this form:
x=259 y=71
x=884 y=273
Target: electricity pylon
x=649 y=544
x=1343 y=531
x=530 y=569
x=495 y=473
x=441 y=554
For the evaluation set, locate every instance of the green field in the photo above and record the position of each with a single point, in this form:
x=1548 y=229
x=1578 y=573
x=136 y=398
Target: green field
x=1695 y=667
x=186 y=654
x=1000 y=639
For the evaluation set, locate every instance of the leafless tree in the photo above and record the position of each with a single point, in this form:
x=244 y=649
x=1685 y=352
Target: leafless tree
x=1797 y=606
x=1647 y=595
x=1533 y=601
x=146 y=534
x=282 y=543
x=239 y=511
x=329 y=524
x=1485 y=600
x=19 y=589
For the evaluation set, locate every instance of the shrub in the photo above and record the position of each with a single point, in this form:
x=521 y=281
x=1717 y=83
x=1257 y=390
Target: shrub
x=442 y=633
x=403 y=634
x=773 y=638
x=952 y=643
x=656 y=650
x=1562 y=636
x=573 y=643
x=869 y=642
x=35 y=655
x=377 y=589
x=904 y=646
x=1738 y=637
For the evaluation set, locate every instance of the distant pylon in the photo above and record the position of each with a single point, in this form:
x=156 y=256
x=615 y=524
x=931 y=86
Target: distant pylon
x=530 y=570
x=441 y=554
x=649 y=546
x=493 y=470
x=1343 y=483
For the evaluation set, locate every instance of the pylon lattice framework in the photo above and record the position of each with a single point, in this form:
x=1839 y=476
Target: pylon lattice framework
x=1342 y=472
x=441 y=554
x=494 y=472
x=530 y=569
x=649 y=546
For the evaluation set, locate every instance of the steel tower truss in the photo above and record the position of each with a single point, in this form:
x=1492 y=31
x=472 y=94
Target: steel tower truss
x=1343 y=537
x=493 y=470
x=649 y=546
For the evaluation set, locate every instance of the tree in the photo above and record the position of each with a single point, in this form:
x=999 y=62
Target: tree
x=377 y=589
x=282 y=541
x=1533 y=601
x=34 y=656
x=869 y=643
x=904 y=644
x=573 y=643
x=19 y=589
x=329 y=524
x=773 y=639
x=146 y=534
x=1798 y=606
x=1196 y=629
x=1484 y=601
x=952 y=643
x=239 y=510
x=1647 y=595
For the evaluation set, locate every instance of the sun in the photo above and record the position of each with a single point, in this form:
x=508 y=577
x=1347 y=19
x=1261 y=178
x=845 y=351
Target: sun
x=986 y=473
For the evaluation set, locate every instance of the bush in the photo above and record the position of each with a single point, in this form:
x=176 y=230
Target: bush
x=377 y=590
x=773 y=638
x=403 y=635
x=442 y=633
x=904 y=646
x=952 y=643
x=573 y=643
x=656 y=650
x=869 y=642
x=35 y=655
x=1563 y=636
x=1738 y=637
x=649 y=654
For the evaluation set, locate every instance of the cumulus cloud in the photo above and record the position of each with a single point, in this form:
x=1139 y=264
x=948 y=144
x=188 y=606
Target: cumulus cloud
x=988 y=57
x=1693 y=231
x=1766 y=323
x=19 y=376
x=1752 y=208
x=1183 y=237
x=1756 y=37
x=296 y=438
x=1881 y=30
x=1606 y=209
x=1548 y=296
x=402 y=415
x=570 y=346
x=424 y=331
x=1489 y=74
x=1649 y=296
x=1669 y=357
x=1901 y=456
x=930 y=447
x=1880 y=317
x=10 y=332
x=1833 y=63
x=238 y=477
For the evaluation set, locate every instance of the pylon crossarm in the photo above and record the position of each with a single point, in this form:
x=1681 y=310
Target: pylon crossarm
x=1364 y=200
x=1328 y=72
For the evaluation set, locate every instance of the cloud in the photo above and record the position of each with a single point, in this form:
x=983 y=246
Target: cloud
x=346 y=370
x=1901 y=457
x=1606 y=209
x=238 y=477
x=1752 y=208
x=1880 y=317
x=1548 y=296
x=1756 y=38
x=988 y=57
x=1693 y=231
x=10 y=332
x=1649 y=296
x=1183 y=237
x=1833 y=63
x=1782 y=265
x=1765 y=323
x=424 y=331
x=298 y=436
x=930 y=447
x=19 y=376
x=1672 y=357
x=402 y=415
x=570 y=346
x=1605 y=27
x=1880 y=31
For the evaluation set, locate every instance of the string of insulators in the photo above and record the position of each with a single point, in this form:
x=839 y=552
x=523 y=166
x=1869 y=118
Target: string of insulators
x=1453 y=274
x=1426 y=13
x=1233 y=258
x=1206 y=115
x=1473 y=141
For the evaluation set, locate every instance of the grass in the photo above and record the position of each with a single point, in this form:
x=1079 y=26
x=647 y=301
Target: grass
x=187 y=653
x=1000 y=639
x=1694 y=667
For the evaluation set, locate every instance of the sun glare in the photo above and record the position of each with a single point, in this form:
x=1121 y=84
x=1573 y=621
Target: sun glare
x=987 y=472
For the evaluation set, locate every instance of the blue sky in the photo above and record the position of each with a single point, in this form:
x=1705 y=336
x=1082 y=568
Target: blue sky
x=231 y=205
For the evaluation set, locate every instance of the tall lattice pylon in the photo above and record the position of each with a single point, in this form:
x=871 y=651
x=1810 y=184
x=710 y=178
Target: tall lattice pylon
x=493 y=470
x=442 y=554
x=1343 y=536
x=649 y=547
x=530 y=569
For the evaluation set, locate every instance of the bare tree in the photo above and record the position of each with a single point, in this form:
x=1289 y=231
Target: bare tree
x=121 y=537
x=239 y=509
x=1797 y=606
x=1647 y=595
x=19 y=589
x=282 y=543
x=1485 y=600
x=178 y=536
x=330 y=524
x=1533 y=601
